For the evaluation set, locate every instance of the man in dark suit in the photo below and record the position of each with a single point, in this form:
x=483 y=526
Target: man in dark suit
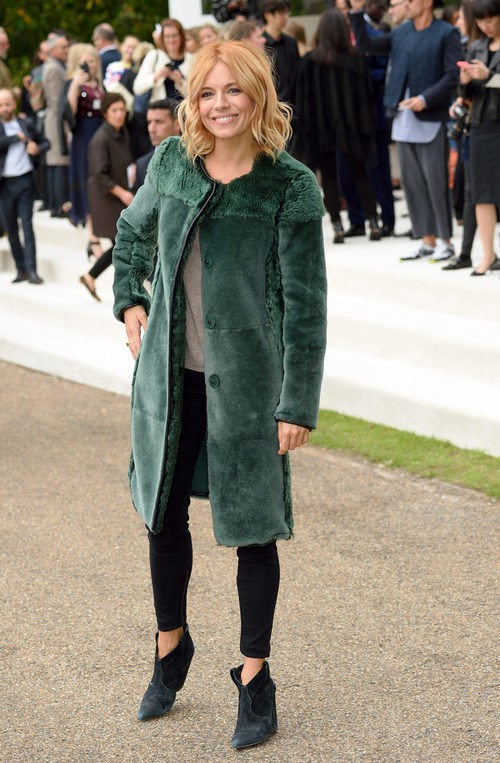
x=281 y=47
x=105 y=40
x=162 y=123
x=20 y=143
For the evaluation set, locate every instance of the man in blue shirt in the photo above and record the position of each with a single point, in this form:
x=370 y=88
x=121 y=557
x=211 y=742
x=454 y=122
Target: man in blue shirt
x=20 y=142
x=421 y=83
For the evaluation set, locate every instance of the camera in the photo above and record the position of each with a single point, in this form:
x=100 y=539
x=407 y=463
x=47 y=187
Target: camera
x=85 y=67
x=459 y=126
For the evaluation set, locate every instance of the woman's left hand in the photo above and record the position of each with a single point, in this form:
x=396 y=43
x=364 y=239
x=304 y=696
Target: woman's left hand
x=291 y=436
x=477 y=70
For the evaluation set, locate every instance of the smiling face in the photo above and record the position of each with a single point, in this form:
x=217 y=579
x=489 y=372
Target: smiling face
x=225 y=110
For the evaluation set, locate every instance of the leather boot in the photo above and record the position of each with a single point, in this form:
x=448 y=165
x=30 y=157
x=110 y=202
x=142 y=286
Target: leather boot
x=338 y=232
x=168 y=678
x=256 y=709
x=375 y=232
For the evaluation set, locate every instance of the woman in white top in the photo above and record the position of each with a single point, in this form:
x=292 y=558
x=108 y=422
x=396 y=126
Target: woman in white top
x=164 y=70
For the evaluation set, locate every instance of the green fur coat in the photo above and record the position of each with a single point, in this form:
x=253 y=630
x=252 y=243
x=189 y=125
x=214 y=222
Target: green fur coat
x=264 y=302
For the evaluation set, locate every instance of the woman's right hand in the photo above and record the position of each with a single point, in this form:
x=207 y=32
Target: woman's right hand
x=136 y=322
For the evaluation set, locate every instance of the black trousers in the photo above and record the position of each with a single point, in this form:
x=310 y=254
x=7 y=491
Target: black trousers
x=327 y=165
x=171 y=551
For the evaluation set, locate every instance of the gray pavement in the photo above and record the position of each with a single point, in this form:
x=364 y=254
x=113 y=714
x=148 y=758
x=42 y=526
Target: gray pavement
x=384 y=644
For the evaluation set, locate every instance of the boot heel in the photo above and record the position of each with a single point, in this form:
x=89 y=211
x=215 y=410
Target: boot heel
x=257 y=718
x=169 y=675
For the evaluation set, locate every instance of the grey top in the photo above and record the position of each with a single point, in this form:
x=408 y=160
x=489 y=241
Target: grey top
x=194 y=356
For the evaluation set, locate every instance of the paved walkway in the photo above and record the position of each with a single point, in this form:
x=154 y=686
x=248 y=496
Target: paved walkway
x=384 y=640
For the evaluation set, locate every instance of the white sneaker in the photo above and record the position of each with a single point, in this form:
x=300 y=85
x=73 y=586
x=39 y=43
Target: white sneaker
x=442 y=251
x=421 y=251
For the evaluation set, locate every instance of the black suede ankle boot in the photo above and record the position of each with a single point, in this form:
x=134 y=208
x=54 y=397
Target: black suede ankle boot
x=256 y=709
x=168 y=678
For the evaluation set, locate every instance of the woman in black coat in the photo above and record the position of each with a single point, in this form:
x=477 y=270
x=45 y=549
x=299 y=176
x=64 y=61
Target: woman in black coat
x=335 y=111
x=480 y=89
x=110 y=160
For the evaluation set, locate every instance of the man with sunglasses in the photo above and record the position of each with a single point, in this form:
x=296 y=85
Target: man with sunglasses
x=422 y=79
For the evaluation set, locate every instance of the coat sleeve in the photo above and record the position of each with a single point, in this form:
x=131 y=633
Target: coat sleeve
x=445 y=87
x=303 y=277
x=379 y=45
x=99 y=161
x=135 y=246
x=146 y=74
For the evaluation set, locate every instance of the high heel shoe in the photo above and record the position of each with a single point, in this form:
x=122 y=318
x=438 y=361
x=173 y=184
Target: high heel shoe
x=256 y=708
x=90 y=288
x=375 y=232
x=168 y=678
x=495 y=265
x=90 y=251
x=338 y=232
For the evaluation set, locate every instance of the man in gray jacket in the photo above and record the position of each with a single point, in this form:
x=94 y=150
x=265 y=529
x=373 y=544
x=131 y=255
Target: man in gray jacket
x=57 y=160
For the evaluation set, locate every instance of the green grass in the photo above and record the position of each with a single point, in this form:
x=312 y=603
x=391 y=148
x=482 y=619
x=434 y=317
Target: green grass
x=425 y=456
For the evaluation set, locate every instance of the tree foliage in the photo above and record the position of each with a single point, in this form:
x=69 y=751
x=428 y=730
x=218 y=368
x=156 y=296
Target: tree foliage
x=29 y=22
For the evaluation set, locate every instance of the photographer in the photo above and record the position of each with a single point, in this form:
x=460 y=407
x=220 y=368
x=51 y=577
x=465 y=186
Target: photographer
x=163 y=71
x=479 y=88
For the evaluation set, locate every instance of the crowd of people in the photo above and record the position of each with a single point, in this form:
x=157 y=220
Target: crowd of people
x=359 y=84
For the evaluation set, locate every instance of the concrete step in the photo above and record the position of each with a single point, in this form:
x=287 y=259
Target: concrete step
x=460 y=345
x=409 y=345
x=413 y=398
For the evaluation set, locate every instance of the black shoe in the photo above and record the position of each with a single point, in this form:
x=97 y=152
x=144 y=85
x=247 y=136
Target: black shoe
x=458 y=263
x=496 y=264
x=355 y=230
x=375 y=233
x=338 y=232
x=386 y=231
x=20 y=277
x=34 y=278
x=168 y=678
x=256 y=708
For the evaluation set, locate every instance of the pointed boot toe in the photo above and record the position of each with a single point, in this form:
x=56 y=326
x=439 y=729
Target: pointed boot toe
x=256 y=709
x=169 y=675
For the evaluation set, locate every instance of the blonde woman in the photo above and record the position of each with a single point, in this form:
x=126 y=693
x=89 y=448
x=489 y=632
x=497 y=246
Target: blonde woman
x=164 y=70
x=229 y=355
x=84 y=93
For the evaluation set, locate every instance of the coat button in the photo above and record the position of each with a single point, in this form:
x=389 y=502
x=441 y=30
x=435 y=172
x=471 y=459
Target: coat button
x=208 y=261
x=214 y=381
x=210 y=320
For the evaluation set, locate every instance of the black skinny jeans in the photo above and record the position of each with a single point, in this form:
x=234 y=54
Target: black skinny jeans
x=171 y=551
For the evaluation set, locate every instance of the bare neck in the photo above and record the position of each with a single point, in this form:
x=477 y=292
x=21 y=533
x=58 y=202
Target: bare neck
x=424 y=21
x=230 y=160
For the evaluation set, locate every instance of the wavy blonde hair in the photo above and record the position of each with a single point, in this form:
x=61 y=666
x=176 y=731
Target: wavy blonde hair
x=252 y=71
x=76 y=51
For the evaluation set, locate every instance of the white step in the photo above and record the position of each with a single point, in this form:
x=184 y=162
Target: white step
x=412 y=398
x=454 y=344
x=409 y=346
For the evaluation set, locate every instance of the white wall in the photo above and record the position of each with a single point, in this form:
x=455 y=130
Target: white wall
x=188 y=12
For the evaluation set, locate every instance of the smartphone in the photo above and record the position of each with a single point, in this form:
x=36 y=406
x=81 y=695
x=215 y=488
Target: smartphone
x=85 y=67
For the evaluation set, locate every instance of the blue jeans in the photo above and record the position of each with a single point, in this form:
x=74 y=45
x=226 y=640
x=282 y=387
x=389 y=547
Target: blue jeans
x=17 y=195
